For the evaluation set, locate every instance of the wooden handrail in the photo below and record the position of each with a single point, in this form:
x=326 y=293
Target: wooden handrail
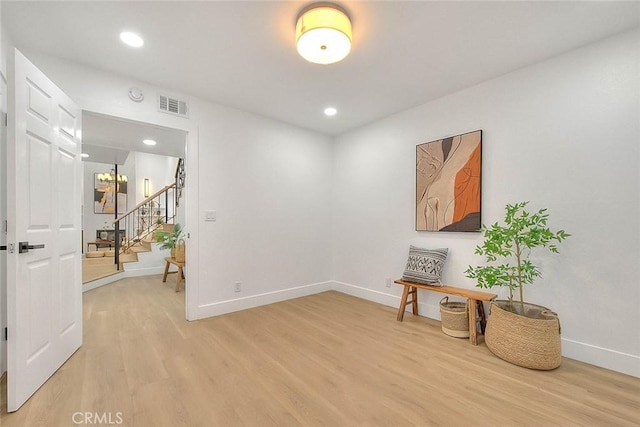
x=144 y=202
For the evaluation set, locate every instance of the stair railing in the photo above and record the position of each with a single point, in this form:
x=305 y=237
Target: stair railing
x=149 y=215
x=144 y=219
x=180 y=177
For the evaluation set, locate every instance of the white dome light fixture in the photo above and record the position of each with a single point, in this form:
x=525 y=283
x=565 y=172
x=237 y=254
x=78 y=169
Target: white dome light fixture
x=149 y=142
x=131 y=39
x=323 y=33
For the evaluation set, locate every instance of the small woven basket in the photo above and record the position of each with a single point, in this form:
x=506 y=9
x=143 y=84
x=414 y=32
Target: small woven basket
x=531 y=343
x=455 y=318
x=180 y=251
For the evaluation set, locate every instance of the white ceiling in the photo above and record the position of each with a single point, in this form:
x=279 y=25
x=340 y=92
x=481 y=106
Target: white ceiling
x=242 y=54
x=109 y=139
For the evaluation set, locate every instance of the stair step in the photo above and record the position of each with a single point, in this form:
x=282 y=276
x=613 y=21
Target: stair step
x=139 y=249
x=128 y=257
x=166 y=227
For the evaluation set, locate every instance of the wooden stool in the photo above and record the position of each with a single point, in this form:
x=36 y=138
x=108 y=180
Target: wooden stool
x=180 y=276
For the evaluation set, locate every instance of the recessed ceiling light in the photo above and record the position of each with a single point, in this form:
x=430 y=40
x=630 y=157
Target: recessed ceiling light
x=149 y=142
x=131 y=39
x=330 y=111
x=84 y=155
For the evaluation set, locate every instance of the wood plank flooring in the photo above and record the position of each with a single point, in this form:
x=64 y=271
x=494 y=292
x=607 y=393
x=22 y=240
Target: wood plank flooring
x=328 y=359
x=97 y=268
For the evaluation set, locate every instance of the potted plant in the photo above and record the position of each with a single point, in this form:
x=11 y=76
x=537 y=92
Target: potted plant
x=170 y=239
x=519 y=332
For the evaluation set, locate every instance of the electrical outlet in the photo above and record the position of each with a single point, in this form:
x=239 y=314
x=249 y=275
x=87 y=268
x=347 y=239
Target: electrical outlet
x=237 y=287
x=388 y=282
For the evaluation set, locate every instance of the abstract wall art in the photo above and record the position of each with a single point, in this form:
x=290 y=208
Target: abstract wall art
x=448 y=183
x=103 y=194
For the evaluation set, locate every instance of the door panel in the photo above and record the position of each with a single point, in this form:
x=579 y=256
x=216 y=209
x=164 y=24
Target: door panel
x=39 y=189
x=38 y=298
x=66 y=178
x=67 y=291
x=44 y=289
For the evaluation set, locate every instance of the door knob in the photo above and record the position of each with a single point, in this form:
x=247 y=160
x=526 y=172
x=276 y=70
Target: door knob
x=23 y=247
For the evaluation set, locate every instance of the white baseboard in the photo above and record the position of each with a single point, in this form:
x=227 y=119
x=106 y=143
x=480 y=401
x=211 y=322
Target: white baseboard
x=229 y=306
x=603 y=357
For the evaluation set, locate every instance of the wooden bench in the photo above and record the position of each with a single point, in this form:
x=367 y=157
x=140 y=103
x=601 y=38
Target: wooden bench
x=474 y=302
x=180 y=273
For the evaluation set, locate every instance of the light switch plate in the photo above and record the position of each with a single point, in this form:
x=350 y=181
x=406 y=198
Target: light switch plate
x=209 y=215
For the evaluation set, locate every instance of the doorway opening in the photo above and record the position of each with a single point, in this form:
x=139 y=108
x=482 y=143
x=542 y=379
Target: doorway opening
x=127 y=164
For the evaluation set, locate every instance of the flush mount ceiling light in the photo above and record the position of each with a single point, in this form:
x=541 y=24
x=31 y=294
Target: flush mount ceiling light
x=323 y=33
x=149 y=142
x=131 y=39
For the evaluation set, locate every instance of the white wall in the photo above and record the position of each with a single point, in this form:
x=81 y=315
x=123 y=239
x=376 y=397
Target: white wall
x=270 y=186
x=563 y=134
x=160 y=170
x=269 y=183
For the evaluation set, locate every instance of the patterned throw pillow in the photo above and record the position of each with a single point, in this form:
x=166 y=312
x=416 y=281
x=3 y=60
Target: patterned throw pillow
x=425 y=265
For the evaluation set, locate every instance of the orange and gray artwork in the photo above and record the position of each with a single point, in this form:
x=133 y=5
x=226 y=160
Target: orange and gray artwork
x=448 y=183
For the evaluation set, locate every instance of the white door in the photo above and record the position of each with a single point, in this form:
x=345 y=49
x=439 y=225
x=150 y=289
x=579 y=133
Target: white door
x=44 y=283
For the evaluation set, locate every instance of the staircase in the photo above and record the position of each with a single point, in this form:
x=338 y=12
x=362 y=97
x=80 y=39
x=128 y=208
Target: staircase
x=155 y=213
x=143 y=245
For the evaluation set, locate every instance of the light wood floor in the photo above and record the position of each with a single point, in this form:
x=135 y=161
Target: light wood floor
x=327 y=359
x=97 y=268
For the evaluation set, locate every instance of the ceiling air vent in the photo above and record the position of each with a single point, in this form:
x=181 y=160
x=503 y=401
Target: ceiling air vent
x=168 y=104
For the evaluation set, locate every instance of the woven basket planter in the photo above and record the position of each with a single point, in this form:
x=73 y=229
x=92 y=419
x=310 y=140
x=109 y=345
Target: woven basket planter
x=529 y=342
x=455 y=318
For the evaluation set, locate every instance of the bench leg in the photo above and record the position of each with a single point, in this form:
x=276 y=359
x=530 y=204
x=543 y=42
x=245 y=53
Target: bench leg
x=473 y=323
x=414 y=301
x=166 y=271
x=403 y=303
x=408 y=290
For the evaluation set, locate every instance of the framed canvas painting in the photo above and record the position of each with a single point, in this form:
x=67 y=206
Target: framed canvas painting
x=448 y=183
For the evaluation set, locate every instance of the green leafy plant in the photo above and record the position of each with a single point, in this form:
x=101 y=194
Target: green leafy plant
x=169 y=239
x=513 y=243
